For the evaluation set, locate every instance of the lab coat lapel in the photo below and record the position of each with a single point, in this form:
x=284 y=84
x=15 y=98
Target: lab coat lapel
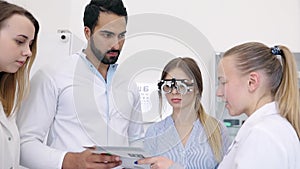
x=4 y=120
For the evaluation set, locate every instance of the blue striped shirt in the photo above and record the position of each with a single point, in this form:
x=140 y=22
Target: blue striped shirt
x=162 y=139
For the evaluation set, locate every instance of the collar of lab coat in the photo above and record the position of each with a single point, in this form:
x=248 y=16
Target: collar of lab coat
x=3 y=118
x=260 y=114
x=5 y=121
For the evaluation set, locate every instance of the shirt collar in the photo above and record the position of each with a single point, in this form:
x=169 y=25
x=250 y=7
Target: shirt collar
x=266 y=110
x=112 y=68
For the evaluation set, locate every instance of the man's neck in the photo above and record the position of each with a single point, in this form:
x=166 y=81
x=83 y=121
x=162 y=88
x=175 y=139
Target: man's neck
x=101 y=67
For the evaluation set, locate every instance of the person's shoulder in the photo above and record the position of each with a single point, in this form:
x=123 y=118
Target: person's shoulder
x=155 y=130
x=160 y=126
x=59 y=71
x=275 y=127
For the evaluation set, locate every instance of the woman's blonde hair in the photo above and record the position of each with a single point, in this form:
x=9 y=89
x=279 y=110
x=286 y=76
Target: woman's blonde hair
x=211 y=125
x=281 y=72
x=14 y=86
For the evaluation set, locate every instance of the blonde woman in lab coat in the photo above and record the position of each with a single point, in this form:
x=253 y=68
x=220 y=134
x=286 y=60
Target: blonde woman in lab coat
x=18 y=34
x=262 y=83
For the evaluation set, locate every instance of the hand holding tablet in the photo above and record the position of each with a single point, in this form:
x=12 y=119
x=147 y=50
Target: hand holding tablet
x=128 y=155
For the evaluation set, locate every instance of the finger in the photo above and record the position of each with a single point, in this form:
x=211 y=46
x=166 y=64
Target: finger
x=101 y=158
x=152 y=166
x=104 y=165
x=148 y=160
x=90 y=147
x=113 y=165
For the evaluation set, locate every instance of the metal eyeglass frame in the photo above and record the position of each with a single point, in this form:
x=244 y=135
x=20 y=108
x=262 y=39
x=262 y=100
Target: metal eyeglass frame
x=181 y=85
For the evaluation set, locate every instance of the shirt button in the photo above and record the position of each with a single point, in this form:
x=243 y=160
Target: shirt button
x=9 y=138
x=11 y=167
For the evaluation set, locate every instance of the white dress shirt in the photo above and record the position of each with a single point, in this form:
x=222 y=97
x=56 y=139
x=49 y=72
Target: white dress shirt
x=74 y=106
x=9 y=141
x=265 y=141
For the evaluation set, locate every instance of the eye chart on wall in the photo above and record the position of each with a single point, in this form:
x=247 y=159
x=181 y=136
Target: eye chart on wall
x=150 y=103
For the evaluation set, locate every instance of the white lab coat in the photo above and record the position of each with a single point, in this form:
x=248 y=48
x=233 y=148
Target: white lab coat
x=265 y=141
x=9 y=141
x=77 y=108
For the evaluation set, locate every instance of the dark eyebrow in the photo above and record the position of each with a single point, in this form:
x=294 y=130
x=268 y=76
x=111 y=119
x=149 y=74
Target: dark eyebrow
x=105 y=31
x=24 y=36
x=123 y=32
x=109 y=32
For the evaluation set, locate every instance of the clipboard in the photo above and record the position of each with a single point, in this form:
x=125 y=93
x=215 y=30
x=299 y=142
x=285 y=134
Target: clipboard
x=128 y=155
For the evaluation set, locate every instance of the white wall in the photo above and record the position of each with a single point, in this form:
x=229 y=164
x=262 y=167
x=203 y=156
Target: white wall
x=224 y=22
x=227 y=22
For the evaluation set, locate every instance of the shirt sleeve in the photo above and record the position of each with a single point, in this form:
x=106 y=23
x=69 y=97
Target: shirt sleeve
x=34 y=120
x=136 y=129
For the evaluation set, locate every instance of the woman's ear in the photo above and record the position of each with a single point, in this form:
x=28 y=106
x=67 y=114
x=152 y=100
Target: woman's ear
x=253 y=81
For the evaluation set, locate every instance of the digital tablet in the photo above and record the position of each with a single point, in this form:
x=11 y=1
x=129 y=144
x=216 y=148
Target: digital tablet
x=128 y=155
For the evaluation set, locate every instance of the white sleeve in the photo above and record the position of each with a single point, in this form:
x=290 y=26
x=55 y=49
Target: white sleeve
x=136 y=129
x=34 y=120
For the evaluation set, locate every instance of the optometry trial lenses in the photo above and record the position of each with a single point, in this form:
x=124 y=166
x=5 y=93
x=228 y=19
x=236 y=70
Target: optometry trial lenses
x=181 y=85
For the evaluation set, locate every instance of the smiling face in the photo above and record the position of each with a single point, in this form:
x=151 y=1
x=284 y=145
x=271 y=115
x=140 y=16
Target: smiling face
x=232 y=87
x=16 y=36
x=175 y=99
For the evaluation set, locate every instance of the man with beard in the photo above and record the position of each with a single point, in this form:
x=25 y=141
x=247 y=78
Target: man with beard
x=71 y=105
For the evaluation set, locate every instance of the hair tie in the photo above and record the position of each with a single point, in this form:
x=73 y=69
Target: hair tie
x=276 y=50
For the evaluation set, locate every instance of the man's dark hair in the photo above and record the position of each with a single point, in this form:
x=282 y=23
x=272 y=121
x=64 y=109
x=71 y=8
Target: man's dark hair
x=93 y=9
